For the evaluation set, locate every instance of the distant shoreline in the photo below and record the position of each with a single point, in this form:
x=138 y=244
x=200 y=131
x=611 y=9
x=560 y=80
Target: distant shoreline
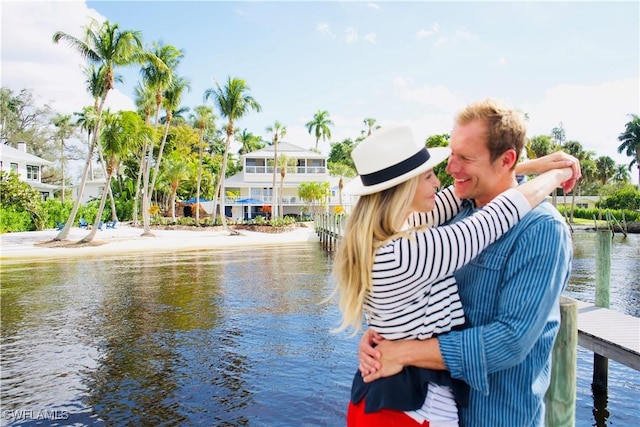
x=127 y=239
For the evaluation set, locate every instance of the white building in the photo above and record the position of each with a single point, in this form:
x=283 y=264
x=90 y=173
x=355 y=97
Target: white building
x=255 y=183
x=27 y=166
x=93 y=189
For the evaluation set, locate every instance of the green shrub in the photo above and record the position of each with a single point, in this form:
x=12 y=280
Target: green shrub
x=629 y=215
x=13 y=221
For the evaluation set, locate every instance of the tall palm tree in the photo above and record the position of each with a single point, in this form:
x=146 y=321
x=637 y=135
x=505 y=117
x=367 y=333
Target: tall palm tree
x=278 y=131
x=285 y=164
x=157 y=74
x=171 y=102
x=320 y=123
x=630 y=139
x=203 y=120
x=145 y=100
x=64 y=131
x=234 y=102
x=109 y=47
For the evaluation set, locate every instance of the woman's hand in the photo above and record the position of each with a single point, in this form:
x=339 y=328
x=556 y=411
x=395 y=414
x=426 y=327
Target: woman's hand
x=367 y=354
x=557 y=160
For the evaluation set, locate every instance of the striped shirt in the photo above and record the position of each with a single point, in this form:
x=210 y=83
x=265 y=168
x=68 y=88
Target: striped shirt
x=414 y=294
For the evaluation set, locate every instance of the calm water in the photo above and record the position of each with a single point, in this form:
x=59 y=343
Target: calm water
x=222 y=338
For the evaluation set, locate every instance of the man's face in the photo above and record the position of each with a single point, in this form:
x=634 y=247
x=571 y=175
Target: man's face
x=475 y=177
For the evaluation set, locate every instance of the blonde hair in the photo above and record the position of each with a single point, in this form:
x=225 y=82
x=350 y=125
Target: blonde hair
x=375 y=219
x=506 y=127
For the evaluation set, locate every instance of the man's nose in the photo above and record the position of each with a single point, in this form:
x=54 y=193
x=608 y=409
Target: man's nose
x=451 y=166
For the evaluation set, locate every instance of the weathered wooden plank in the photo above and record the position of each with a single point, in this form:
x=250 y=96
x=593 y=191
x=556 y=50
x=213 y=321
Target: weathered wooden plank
x=609 y=333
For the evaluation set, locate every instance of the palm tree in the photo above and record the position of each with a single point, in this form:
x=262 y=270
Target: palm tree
x=248 y=142
x=370 y=123
x=203 y=120
x=175 y=169
x=605 y=169
x=157 y=74
x=145 y=100
x=233 y=102
x=171 y=102
x=630 y=139
x=285 y=165
x=278 y=131
x=621 y=174
x=86 y=121
x=320 y=123
x=64 y=131
x=104 y=44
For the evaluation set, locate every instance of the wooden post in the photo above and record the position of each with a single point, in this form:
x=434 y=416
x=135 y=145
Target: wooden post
x=603 y=278
x=560 y=400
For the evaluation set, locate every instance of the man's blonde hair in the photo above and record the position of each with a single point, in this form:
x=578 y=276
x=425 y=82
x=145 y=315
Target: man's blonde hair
x=506 y=127
x=375 y=219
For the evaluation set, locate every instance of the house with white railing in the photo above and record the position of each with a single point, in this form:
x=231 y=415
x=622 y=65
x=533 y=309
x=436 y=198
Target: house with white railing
x=253 y=186
x=27 y=166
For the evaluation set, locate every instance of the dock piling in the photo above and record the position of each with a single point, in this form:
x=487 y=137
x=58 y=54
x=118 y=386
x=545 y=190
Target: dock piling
x=560 y=400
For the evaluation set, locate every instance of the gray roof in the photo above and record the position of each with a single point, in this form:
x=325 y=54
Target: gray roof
x=8 y=153
x=287 y=149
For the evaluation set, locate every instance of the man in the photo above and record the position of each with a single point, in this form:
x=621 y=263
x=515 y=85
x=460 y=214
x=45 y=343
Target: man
x=510 y=293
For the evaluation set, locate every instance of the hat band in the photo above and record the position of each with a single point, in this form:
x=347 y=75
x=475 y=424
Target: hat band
x=396 y=170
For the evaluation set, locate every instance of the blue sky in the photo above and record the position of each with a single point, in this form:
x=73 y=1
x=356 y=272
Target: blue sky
x=415 y=63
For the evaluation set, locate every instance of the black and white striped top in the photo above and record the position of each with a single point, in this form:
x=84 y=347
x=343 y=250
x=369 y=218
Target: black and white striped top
x=414 y=294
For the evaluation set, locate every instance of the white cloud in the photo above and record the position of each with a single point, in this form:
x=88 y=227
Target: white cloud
x=375 y=6
x=33 y=61
x=502 y=61
x=325 y=30
x=438 y=97
x=435 y=29
x=371 y=38
x=350 y=35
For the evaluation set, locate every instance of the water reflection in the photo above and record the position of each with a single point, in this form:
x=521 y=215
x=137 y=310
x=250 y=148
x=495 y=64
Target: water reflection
x=226 y=338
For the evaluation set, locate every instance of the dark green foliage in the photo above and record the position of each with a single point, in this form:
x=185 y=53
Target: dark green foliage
x=628 y=197
x=17 y=196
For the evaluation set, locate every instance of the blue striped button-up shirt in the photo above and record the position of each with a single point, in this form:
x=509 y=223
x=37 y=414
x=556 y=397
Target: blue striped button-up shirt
x=510 y=295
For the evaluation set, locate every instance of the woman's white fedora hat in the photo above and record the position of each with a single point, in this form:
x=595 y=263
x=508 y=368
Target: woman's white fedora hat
x=389 y=157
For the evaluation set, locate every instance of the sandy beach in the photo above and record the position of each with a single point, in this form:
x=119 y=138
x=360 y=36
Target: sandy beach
x=127 y=239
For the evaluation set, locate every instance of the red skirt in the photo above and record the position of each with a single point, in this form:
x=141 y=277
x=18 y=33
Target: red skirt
x=356 y=417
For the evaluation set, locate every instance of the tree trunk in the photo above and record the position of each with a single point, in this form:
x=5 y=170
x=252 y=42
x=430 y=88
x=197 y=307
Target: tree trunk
x=96 y=223
x=221 y=183
x=76 y=205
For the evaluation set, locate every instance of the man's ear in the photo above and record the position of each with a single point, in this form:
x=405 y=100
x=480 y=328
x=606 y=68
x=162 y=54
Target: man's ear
x=509 y=159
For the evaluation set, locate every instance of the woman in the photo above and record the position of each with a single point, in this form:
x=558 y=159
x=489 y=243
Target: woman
x=401 y=276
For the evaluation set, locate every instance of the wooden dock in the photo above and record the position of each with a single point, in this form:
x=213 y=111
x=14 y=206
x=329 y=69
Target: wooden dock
x=609 y=333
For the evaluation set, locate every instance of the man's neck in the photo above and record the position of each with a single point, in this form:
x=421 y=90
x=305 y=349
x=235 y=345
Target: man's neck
x=499 y=189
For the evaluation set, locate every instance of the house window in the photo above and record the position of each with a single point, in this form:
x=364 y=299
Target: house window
x=255 y=166
x=33 y=173
x=14 y=167
x=315 y=166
